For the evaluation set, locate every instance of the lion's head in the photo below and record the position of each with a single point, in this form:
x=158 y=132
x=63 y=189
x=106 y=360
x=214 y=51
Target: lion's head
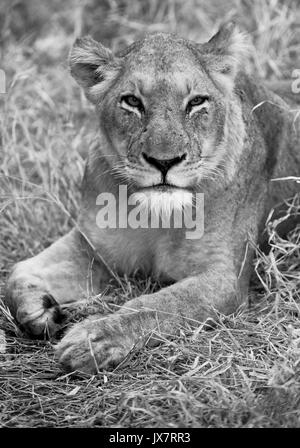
x=167 y=107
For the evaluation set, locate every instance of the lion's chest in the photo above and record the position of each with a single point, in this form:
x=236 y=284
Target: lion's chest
x=160 y=253
x=138 y=250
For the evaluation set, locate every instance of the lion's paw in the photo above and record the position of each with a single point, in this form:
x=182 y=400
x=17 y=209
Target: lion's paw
x=97 y=344
x=40 y=316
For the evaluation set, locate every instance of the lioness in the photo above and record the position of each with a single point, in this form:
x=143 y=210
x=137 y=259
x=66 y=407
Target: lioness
x=174 y=116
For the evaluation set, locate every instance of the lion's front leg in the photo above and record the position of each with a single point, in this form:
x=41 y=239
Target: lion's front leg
x=63 y=273
x=104 y=342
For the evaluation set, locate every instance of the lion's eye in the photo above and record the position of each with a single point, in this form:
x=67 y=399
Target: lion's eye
x=197 y=101
x=132 y=101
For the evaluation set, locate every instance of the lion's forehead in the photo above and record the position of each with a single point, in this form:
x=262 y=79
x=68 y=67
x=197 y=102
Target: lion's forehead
x=164 y=62
x=161 y=54
x=159 y=45
x=164 y=85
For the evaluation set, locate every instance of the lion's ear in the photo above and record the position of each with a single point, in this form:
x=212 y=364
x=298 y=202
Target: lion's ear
x=225 y=53
x=93 y=66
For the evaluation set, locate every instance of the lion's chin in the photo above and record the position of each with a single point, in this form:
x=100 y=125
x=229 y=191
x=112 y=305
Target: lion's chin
x=164 y=199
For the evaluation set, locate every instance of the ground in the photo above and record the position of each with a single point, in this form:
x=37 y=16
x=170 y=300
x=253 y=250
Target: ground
x=245 y=372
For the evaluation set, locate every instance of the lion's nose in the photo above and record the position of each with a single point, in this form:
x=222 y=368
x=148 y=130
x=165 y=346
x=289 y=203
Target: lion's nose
x=164 y=165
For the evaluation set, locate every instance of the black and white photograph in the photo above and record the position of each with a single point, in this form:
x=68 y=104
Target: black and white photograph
x=149 y=216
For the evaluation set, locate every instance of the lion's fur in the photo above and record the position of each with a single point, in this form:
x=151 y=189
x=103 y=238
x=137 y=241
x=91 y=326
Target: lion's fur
x=244 y=137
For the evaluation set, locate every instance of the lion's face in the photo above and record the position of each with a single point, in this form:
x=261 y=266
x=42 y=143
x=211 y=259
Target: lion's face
x=166 y=120
x=163 y=105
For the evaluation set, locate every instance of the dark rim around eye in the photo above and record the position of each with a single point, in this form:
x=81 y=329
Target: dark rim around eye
x=198 y=100
x=132 y=101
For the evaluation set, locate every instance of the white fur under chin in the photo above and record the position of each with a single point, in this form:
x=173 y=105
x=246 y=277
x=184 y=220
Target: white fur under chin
x=164 y=202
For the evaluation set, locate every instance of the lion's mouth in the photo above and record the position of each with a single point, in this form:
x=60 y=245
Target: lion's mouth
x=165 y=187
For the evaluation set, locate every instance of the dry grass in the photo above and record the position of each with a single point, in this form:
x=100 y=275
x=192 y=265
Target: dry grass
x=243 y=373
